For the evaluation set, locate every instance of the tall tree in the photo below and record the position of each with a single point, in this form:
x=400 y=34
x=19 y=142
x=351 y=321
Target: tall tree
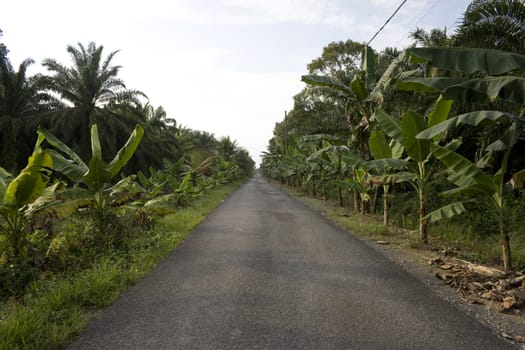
x=493 y=24
x=160 y=140
x=226 y=148
x=338 y=60
x=88 y=92
x=434 y=38
x=3 y=48
x=20 y=101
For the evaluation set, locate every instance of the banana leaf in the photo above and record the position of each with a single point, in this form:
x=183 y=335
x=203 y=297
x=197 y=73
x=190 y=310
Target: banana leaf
x=379 y=147
x=389 y=125
x=30 y=183
x=482 y=90
x=387 y=77
x=324 y=81
x=73 y=171
x=5 y=179
x=399 y=177
x=518 y=180
x=62 y=147
x=446 y=212
x=411 y=125
x=436 y=85
x=385 y=163
x=440 y=111
x=469 y=60
x=479 y=90
x=98 y=174
x=472 y=118
x=464 y=172
x=358 y=89
x=126 y=152
x=96 y=149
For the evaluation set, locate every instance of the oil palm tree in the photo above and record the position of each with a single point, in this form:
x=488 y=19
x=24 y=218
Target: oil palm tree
x=226 y=148
x=89 y=92
x=160 y=140
x=494 y=24
x=434 y=38
x=20 y=103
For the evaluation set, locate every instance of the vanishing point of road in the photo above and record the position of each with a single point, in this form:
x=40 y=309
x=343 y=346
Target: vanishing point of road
x=264 y=271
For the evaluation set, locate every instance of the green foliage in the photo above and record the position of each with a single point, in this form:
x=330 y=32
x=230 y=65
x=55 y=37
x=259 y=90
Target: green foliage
x=56 y=308
x=418 y=152
x=54 y=267
x=15 y=274
x=399 y=132
x=469 y=87
x=379 y=147
x=25 y=197
x=98 y=173
x=469 y=60
x=493 y=24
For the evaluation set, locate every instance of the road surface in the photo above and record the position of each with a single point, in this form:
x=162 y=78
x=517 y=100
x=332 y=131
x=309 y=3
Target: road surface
x=263 y=271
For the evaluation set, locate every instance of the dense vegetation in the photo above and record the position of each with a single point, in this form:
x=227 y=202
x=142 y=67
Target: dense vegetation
x=435 y=130
x=87 y=169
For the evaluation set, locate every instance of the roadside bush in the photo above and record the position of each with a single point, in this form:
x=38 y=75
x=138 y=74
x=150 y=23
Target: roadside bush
x=16 y=273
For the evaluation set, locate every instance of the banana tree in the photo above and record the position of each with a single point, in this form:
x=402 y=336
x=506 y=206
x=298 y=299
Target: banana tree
x=343 y=168
x=470 y=179
x=475 y=75
x=386 y=161
x=358 y=183
x=226 y=171
x=361 y=97
x=28 y=196
x=479 y=76
x=417 y=151
x=92 y=181
x=313 y=171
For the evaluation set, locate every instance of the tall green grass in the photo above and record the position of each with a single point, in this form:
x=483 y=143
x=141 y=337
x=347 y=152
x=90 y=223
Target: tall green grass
x=55 y=308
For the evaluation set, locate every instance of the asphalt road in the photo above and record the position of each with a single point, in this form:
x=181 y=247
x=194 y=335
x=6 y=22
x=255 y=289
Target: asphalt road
x=263 y=271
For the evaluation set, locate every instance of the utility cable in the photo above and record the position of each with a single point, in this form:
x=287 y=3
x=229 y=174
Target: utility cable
x=388 y=20
x=420 y=19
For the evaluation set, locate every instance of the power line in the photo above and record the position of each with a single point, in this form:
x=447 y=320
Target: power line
x=427 y=12
x=388 y=20
x=420 y=19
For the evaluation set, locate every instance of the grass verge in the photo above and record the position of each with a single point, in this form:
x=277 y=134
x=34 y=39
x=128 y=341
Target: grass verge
x=57 y=307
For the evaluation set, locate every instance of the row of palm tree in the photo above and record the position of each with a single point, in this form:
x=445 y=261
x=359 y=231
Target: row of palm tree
x=77 y=137
x=70 y=98
x=405 y=114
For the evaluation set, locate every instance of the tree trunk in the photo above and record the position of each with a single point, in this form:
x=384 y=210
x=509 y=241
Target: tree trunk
x=340 y=193
x=373 y=204
x=313 y=188
x=356 y=202
x=423 y=232
x=505 y=242
x=385 y=205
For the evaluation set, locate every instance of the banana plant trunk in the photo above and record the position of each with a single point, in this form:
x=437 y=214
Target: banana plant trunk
x=340 y=193
x=505 y=242
x=385 y=205
x=373 y=204
x=423 y=231
x=356 y=202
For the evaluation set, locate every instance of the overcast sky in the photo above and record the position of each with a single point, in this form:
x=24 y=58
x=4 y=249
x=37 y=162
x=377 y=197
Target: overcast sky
x=229 y=67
